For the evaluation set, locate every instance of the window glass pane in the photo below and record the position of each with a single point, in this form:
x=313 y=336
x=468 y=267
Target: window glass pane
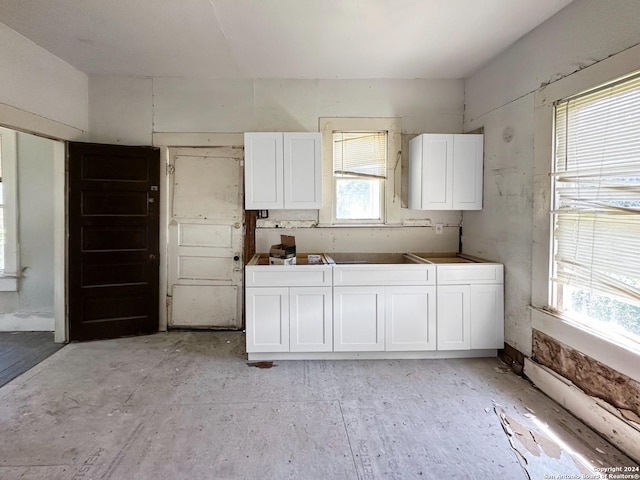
x=357 y=199
x=596 y=238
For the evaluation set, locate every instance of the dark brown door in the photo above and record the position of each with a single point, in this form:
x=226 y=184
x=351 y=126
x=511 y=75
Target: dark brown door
x=113 y=240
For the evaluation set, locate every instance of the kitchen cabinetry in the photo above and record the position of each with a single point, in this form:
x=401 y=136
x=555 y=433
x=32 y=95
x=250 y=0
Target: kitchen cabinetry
x=358 y=317
x=446 y=172
x=384 y=307
x=410 y=318
x=470 y=307
x=283 y=170
x=288 y=308
x=396 y=306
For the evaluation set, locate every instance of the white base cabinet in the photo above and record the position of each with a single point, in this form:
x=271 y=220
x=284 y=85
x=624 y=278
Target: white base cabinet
x=410 y=318
x=267 y=312
x=310 y=319
x=454 y=317
x=358 y=317
x=487 y=316
x=360 y=311
x=470 y=307
x=296 y=319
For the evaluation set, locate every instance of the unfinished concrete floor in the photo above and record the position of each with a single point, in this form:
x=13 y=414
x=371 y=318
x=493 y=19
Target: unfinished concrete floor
x=186 y=405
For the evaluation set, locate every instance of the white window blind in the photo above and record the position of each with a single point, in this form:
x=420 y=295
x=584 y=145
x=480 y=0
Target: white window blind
x=597 y=191
x=360 y=154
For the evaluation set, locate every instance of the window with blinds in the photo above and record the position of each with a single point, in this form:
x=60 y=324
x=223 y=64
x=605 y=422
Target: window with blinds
x=596 y=234
x=360 y=168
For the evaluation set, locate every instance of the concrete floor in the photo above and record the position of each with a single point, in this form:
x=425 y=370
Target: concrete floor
x=186 y=405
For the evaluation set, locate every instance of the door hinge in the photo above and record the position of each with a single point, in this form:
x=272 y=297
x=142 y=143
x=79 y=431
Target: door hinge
x=171 y=169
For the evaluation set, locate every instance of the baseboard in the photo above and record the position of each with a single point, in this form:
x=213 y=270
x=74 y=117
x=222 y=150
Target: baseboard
x=21 y=322
x=598 y=414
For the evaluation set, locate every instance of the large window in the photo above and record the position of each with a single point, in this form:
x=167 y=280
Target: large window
x=359 y=169
x=596 y=211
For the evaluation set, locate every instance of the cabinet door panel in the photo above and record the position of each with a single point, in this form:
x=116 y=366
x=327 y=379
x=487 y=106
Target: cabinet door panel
x=267 y=311
x=437 y=172
x=410 y=318
x=467 y=172
x=358 y=314
x=302 y=170
x=263 y=170
x=487 y=316
x=454 y=317
x=311 y=318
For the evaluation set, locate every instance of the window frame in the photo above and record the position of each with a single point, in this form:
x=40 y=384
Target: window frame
x=390 y=209
x=588 y=208
x=9 y=158
x=611 y=350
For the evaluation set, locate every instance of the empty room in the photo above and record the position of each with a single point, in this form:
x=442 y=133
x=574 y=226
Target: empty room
x=304 y=239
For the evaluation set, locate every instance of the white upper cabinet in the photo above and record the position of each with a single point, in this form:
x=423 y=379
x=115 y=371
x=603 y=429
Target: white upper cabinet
x=445 y=172
x=282 y=170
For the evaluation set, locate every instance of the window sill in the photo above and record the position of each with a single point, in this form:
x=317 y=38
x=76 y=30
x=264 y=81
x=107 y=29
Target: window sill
x=8 y=284
x=615 y=352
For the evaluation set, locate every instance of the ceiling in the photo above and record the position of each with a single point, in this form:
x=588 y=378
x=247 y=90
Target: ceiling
x=277 y=38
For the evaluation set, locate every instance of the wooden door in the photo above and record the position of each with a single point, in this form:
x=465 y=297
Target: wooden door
x=113 y=206
x=205 y=257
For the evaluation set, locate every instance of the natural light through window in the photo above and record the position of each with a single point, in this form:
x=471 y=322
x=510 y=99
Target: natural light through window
x=596 y=212
x=359 y=168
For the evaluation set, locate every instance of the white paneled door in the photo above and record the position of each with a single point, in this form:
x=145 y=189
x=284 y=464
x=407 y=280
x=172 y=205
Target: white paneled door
x=205 y=238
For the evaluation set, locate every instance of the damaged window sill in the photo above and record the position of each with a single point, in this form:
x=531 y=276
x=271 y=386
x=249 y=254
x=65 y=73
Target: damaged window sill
x=616 y=351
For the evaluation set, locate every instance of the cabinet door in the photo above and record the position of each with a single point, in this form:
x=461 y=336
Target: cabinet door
x=302 y=170
x=410 y=318
x=467 y=172
x=358 y=319
x=310 y=319
x=263 y=170
x=454 y=317
x=267 y=312
x=431 y=172
x=487 y=316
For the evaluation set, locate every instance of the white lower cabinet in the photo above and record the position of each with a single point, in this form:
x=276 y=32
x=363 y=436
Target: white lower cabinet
x=358 y=319
x=374 y=308
x=310 y=317
x=410 y=318
x=296 y=319
x=487 y=316
x=470 y=317
x=454 y=317
x=267 y=312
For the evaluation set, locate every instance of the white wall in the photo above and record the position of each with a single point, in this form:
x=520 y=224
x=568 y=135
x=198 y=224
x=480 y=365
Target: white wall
x=500 y=98
x=31 y=307
x=129 y=110
x=36 y=87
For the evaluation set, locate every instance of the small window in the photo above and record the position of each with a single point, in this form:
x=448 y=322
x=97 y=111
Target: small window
x=596 y=211
x=359 y=172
